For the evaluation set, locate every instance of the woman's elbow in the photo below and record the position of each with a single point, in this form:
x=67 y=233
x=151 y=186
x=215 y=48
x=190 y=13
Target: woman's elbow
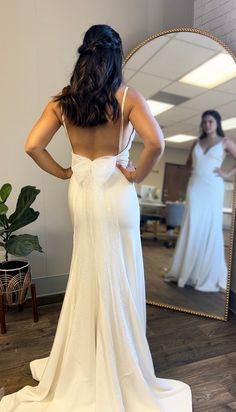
x=159 y=146
x=28 y=148
x=32 y=149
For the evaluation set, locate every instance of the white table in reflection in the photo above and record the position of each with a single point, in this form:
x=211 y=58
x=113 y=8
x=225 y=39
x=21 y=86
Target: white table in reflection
x=154 y=211
x=155 y=204
x=151 y=211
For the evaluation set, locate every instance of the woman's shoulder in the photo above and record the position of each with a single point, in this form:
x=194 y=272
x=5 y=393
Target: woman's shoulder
x=134 y=93
x=228 y=144
x=56 y=106
x=136 y=99
x=226 y=141
x=133 y=97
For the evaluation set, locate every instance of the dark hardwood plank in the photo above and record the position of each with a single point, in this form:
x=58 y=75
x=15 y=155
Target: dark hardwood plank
x=199 y=351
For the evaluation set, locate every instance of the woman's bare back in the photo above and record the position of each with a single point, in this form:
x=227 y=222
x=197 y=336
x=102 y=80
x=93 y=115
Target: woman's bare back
x=101 y=140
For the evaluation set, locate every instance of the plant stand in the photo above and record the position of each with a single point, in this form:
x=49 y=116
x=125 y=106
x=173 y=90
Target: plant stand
x=15 y=280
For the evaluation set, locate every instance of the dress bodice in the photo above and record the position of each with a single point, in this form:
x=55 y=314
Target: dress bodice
x=101 y=168
x=204 y=163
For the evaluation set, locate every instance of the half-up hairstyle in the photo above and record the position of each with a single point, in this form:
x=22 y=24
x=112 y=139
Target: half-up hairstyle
x=89 y=100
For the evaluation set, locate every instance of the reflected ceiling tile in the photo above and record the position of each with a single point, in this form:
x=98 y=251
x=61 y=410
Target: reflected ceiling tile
x=169 y=98
x=194 y=131
x=176 y=59
x=227 y=110
x=176 y=114
x=180 y=146
x=146 y=84
x=143 y=54
x=194 y=120
x=209 y=100
x=127 y=74
x=228 y=87
x=180 y=138
x=161 y=102
x=158 y=107
x=229 y=124
x=184 y=89
x=200 y=40
x=177 y=128
x=215 y=71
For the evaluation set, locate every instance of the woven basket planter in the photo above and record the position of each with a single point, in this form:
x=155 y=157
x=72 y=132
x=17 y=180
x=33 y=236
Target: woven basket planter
x=15 y=278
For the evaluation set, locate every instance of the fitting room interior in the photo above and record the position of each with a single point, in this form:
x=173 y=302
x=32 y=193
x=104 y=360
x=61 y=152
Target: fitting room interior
x=192 y=333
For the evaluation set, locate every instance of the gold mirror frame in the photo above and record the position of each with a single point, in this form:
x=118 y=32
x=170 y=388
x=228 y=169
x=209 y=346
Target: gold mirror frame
x=229 y=274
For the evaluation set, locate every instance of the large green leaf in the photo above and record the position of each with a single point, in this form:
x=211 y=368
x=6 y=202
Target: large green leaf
x=5 y=192
x=3 y=209
x=27 y=217
x=3 y=221
x=26 y=197
x=22 y=245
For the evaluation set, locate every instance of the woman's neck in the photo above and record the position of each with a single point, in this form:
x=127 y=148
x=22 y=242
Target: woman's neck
x=212 y=136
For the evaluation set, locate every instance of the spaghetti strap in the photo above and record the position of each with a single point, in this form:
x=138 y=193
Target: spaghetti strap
x=63 y=121
x=121 y=126
x=122 y=119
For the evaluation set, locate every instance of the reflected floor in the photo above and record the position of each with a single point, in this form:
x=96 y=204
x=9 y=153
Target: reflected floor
x=157 y=258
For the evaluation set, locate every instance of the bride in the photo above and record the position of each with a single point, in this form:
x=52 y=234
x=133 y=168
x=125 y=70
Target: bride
x=100 y=359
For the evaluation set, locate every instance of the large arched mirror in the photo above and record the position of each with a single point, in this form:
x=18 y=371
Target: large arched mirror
x=186 y=207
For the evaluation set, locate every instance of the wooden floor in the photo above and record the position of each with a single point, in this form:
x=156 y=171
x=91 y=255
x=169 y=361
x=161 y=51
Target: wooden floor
x=196 y=350
x=157 y=259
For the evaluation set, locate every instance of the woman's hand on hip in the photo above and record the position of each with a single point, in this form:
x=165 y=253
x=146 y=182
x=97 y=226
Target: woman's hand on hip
x=219 y=172
x=68 y=173
x=129 y=171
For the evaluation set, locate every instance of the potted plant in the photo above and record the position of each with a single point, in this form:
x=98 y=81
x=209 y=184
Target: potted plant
x=182 y=196
x=15 y=274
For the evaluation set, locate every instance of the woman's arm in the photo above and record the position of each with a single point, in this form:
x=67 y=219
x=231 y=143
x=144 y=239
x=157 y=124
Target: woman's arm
x=40 y=136
x=150 y=132
x=230 y=148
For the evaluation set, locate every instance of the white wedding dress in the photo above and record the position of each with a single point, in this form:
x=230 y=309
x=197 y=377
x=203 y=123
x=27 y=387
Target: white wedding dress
x=100 y=359
x=199 y=259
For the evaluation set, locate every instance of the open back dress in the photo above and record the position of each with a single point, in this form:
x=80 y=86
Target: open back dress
x=100 y=359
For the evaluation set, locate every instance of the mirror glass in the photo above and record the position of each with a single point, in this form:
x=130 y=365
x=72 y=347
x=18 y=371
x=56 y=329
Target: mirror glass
x=186 y=202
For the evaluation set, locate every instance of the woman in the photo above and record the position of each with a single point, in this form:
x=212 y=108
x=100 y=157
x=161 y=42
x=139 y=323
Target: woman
x=100 y=358
x=199 y=259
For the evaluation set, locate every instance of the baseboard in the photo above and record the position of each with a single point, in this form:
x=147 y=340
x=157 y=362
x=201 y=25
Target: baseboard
x=50 y=299
x=51 y=289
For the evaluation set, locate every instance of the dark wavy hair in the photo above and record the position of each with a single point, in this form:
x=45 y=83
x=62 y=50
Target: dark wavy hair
x=217 y=117
x=96 y=77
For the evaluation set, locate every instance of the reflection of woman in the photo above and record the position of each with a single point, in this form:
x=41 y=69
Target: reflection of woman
x=100 y=359
x=199 y=254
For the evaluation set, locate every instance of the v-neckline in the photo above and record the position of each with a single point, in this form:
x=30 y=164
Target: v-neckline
x=203 y=151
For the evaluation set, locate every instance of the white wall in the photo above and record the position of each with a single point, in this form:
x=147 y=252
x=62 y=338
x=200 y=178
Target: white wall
x=169 y=14
x=39 y=47
x=217 y=17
